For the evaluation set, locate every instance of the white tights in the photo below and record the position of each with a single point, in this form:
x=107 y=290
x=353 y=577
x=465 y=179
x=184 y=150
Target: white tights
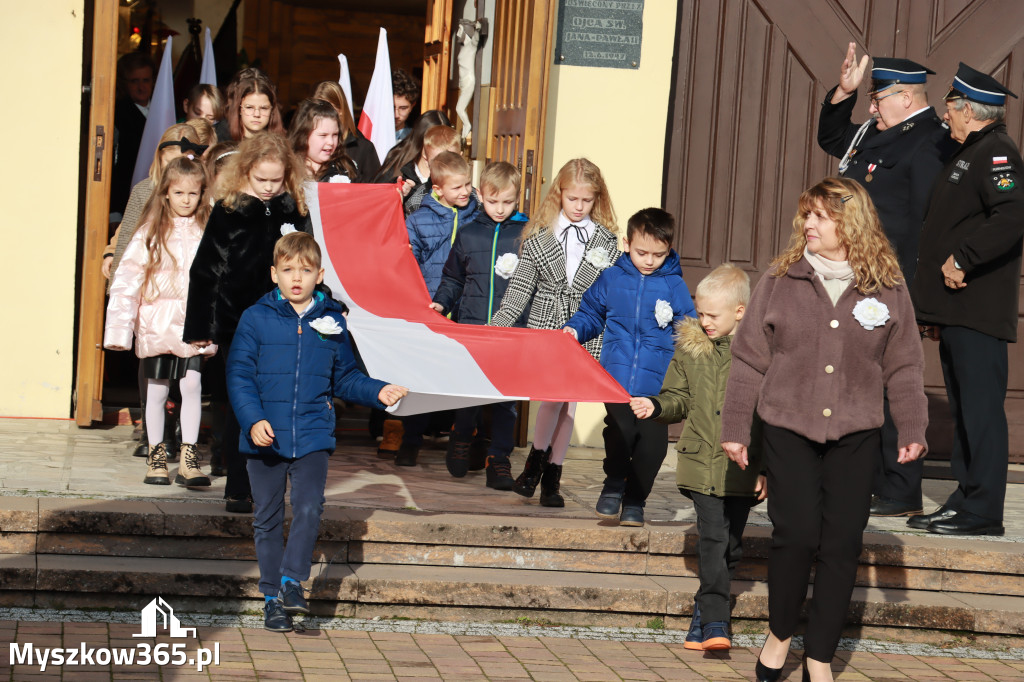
x=554 y=428
x=157 y=390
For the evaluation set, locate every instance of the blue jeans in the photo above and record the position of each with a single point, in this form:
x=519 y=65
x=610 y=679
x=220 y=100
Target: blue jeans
x=503 y=426
x=269 y=476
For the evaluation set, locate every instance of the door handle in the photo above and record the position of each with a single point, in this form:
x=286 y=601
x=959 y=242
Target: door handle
x=101 y=137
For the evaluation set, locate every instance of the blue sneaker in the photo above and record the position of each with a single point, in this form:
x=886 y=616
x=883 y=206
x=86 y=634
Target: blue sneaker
x=292 y=599
x=275 y=618
x=716 y=636
x=609 y=505
x=695 y=636
x=632 y=515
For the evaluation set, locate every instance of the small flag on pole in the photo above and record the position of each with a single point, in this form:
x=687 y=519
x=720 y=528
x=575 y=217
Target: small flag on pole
x=345 y=81
x=160 y=118
x=378 y=120
x=208 y=74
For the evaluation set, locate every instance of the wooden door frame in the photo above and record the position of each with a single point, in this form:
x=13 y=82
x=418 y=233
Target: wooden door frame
x=89 y=365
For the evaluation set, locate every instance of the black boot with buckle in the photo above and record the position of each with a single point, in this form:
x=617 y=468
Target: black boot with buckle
x=550 y=481
x=527 y=482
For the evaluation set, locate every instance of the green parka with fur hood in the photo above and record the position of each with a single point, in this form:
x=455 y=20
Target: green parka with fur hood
x=694 y=390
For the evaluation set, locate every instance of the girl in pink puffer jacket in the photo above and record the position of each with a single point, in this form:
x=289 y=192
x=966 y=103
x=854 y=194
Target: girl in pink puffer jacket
x=147 y=300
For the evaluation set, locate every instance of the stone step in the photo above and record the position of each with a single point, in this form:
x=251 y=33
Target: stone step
x=418 y=591
x=204 y=532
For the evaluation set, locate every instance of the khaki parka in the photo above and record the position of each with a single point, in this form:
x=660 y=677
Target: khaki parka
x=694 y=390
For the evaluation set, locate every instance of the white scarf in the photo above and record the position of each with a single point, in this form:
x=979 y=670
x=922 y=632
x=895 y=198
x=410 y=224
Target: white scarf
x=835 y=275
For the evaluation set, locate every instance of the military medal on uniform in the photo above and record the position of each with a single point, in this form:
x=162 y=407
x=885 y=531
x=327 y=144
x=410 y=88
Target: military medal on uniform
x=871 y=167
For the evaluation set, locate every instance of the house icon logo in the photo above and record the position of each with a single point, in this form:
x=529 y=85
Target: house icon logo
x=158 y=618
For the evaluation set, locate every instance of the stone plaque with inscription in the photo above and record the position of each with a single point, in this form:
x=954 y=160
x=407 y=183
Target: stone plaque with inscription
x=600 y=33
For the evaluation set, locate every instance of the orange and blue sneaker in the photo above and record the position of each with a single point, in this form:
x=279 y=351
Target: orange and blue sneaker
x=716 y=636
x=695 y=635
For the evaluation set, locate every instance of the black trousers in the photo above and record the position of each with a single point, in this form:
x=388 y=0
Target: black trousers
x=819 y=496
x=236 y=486
x=894 y=480
x=720 y=524
x=975 y=366
x=633 y=452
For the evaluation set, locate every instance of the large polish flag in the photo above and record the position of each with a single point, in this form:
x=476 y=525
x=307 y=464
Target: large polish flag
x=377 y=122
x=368 y=265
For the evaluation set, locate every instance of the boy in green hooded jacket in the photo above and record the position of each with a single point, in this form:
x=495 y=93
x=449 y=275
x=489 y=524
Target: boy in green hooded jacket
x=722 y=493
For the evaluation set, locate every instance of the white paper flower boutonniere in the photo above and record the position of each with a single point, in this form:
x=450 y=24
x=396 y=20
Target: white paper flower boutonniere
x=663 y=313
x=598 y=257
x=506 y=265
x=326 y=326
x=871 y=313
x=339 y=178
x=287 y=228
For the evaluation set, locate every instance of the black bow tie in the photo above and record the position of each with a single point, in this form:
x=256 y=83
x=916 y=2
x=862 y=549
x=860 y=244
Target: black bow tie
x=580 y=232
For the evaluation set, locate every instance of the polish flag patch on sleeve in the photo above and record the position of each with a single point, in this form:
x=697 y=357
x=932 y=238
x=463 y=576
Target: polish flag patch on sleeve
x=997 y=160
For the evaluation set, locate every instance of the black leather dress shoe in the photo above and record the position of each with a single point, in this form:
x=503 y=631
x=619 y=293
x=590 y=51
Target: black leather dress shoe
x=886 y=506
x=922 y=521
x=966 y=523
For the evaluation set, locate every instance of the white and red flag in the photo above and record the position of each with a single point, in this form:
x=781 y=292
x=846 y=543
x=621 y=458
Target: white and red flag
x=369 y=266
x=377 y=122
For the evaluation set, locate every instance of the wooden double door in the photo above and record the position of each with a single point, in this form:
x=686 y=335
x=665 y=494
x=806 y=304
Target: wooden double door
x=750 y=78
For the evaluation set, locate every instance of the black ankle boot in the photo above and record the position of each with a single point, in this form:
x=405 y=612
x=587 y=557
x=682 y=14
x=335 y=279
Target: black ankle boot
x=527 y=482
x=550 y=481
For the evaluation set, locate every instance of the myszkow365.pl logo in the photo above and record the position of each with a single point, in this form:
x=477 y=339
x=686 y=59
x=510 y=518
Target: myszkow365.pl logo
x=157 y=618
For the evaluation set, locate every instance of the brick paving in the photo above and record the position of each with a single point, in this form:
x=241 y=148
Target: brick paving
x=340 y=655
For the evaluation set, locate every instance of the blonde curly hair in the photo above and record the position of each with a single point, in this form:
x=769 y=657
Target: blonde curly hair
x=253 y=150
x=868 y=250
x=582 y=172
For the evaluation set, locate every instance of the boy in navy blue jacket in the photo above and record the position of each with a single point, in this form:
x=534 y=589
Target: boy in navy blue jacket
x=289 y=357
x=636 y=302
x=475 y=276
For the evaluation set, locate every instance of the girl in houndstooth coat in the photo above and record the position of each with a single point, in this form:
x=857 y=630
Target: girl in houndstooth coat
x=572 y=238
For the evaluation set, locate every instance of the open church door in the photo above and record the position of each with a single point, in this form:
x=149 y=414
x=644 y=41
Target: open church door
x=100 y=146
x=437 y=45
x=523 y=33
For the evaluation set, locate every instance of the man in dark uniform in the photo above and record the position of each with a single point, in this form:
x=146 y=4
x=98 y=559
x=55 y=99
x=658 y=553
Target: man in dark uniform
x=896 y=155
x=966 y=292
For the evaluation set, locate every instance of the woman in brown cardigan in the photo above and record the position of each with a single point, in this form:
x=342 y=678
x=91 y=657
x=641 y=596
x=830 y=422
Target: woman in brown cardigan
x=828 y=329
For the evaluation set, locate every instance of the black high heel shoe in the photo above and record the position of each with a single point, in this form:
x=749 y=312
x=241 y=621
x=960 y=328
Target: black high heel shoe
x=766 y=674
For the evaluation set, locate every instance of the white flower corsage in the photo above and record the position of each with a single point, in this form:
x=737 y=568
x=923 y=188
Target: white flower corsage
x=663 y=313
x=870 y=313
x=326 y=326
x=598 y=257
x=287 y=228
x=506 y=265
x=339 y=178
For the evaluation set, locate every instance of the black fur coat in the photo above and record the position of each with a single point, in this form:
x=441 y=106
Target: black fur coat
x=231 y=270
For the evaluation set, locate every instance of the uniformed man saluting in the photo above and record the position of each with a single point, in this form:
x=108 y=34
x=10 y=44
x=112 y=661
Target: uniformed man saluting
x=966 y=291
x=896 y=155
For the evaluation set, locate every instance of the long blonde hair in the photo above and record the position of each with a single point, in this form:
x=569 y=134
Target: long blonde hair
x=868 y=250
x=255 y=149
x=176 y=133
x=158 y=220
x=576 y=172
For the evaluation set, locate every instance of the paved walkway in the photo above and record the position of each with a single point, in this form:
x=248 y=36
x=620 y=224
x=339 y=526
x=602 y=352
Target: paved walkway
x=245 y=653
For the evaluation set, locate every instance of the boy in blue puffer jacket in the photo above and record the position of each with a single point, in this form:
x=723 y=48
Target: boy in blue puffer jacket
x=435 y=224
x=289 y=357
x=432 y=229
x=479 y=268
x=636 y=302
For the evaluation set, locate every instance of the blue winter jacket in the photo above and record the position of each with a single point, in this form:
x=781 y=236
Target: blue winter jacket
x=282 y=370
x=432 y=228
x=469 y=283
x=622 y=302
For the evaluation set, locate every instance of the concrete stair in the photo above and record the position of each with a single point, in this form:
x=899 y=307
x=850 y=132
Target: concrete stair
x=119 y=554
